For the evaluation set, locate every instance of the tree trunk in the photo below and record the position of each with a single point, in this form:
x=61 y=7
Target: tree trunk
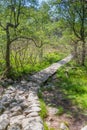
x=76 y=52
x=83 y=53
x=8 y=53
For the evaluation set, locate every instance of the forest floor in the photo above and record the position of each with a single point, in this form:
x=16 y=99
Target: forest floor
x=60 y=109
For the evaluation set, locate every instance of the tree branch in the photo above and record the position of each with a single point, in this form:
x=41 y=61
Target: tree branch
x=2 y=26
x=27 y=38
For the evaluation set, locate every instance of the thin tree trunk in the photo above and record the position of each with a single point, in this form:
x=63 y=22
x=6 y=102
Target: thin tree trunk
x=8 y=53
x=83 y=53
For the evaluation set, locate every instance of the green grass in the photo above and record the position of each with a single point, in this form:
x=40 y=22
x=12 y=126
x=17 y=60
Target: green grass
x=60 y=110
x=47 y=128
x=74 y=84
x=29 y=68
x=43 y=112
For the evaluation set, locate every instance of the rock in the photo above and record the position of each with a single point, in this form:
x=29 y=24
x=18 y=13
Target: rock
x=5 y=98
x=52 y=110
x=63 y=126
x=16 y=109
x=84 y=128
x=32 y=97
x=24 y=104
x=23 y=82
x=14 y=127
x=20 y=99
x=3 y=122
x=34 y=126
x=16 y=119
x=34 y=123
x=33 y=109
x=37 y=102
x=15 y=113
x=6 y=112
x=33 y=114
x=1 y=90
x=20 y=92
x=2 y=108
x=10 y=81
x=4 y=116
x=6 y=104
x=13 y=104
x=34 y=105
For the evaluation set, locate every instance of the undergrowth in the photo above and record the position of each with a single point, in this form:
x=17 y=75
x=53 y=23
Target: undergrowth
x=32 y=68
x=73 y=82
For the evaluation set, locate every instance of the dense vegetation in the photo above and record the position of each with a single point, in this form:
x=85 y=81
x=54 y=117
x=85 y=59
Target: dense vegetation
x=28 y=25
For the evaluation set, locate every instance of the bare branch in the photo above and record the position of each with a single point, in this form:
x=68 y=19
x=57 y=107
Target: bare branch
x=2 y=26
x=27 y=38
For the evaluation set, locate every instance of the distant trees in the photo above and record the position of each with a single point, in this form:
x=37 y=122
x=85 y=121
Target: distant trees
x=74 y=13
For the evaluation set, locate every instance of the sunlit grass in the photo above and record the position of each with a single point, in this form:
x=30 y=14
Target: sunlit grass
x=30 y=68
x=74 y=84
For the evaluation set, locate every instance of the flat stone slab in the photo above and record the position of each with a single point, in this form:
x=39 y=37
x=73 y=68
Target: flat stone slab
x=43 y=75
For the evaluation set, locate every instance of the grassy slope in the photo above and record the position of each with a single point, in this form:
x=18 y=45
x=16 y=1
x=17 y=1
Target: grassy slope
x=73 y=82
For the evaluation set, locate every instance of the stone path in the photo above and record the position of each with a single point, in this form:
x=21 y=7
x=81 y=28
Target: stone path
x=19 y=105
x=43 y=75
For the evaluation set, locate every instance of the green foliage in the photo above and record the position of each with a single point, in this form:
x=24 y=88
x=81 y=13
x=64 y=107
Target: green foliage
x=52 y=57
x=43 y=112
x=60 y=110
x=47 y=128
x=21 y=69
x=73 y=83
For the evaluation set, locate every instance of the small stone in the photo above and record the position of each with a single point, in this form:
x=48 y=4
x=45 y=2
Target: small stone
x=3 y=123
x=1 y=90
x=13 y=104
x=16 y=119
x=20 y=99
x=84 y=128
x=15 y=113
x=23 y=82
x=10 y=81
x=52 y=110
x=29 y=121
x=24 y=104
x=34 y=105
x=2 y=108
x=34 y=126
x=14 y=127
x=20 y=92
x=4 y=116
x=6 y=104
x=5 y=98
x=16 y=109
x=63 y=126
x=33 y=109
x=7 y=112
x=11 y=88
x=33 y=114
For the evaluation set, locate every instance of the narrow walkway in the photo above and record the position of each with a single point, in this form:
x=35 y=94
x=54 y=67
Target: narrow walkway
x=19 y=105
x=43 y=75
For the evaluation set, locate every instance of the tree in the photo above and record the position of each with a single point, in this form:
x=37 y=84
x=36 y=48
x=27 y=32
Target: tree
x=11 y=21
x=75 y=15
